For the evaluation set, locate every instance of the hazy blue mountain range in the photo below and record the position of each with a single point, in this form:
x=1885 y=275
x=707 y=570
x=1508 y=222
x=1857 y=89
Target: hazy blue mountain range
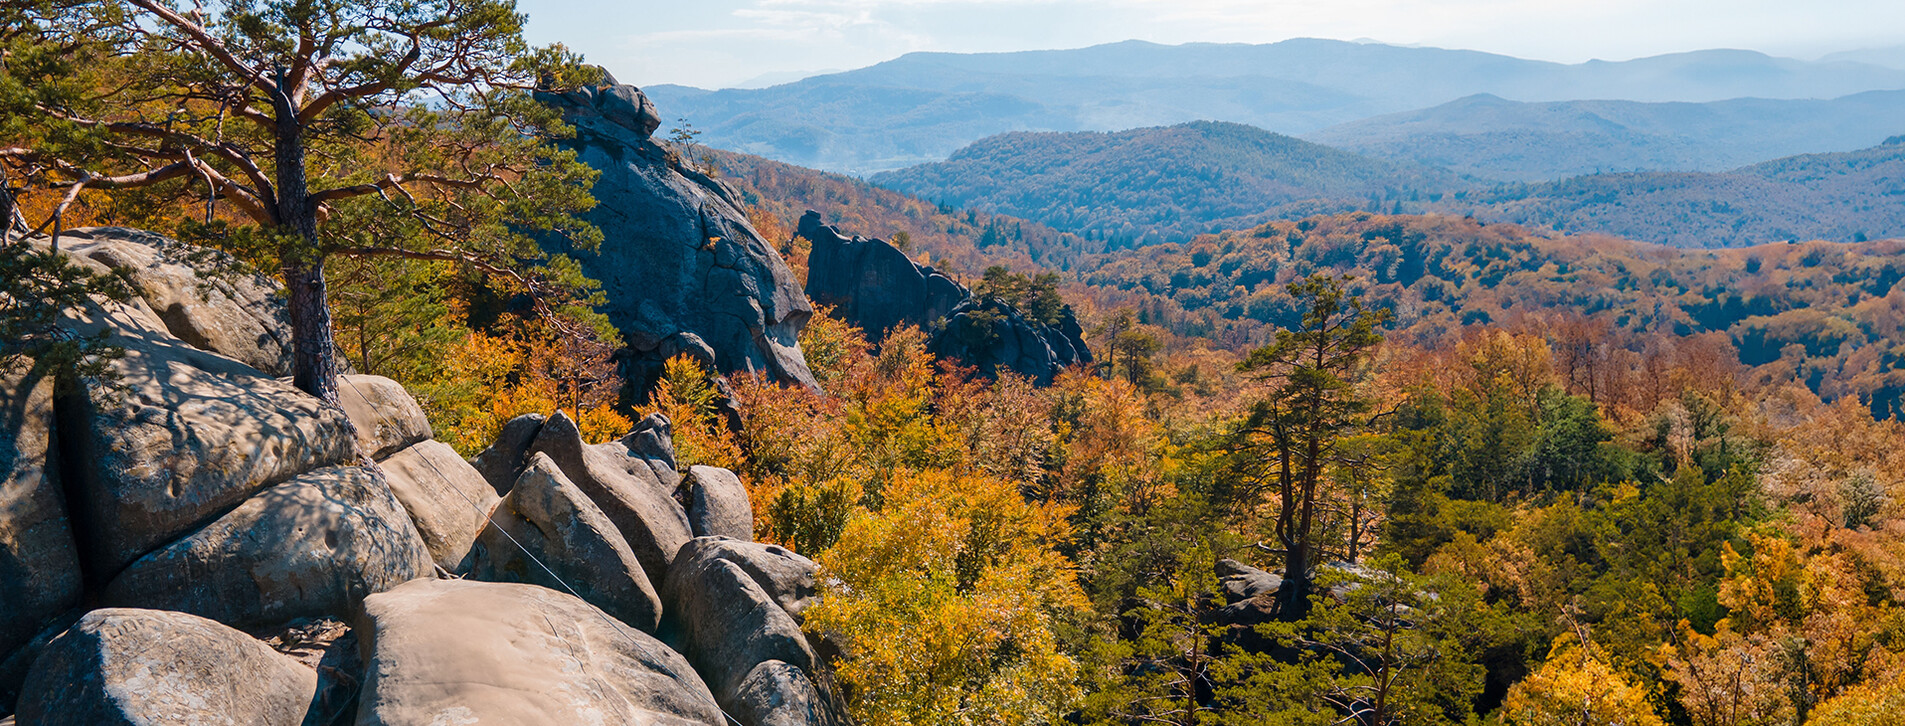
x=1161 y=184
x=922 y=106
x=1843 y=197
x=1892 y=57
x=1491 y=137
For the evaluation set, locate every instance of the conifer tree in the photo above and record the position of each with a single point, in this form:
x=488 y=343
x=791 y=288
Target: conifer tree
x=306 y=129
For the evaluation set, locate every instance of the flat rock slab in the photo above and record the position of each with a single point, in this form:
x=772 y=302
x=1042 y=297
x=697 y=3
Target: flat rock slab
x=147 y=667
x=447 y=499
x=310 y=547
x=465 y=652
x=546 y=517
x=39 y=564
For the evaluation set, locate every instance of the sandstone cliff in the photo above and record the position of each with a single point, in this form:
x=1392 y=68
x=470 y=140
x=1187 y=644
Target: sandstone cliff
x=683 y=269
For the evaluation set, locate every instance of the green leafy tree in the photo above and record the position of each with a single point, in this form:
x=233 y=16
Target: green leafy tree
x=1312 y=404
x=324 y=127
x=35 y=285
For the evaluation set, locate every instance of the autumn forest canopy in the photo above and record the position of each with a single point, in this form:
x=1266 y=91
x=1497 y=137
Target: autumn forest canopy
x=1329 y=465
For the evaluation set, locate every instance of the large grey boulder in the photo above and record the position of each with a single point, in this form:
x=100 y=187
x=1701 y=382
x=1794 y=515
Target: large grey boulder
x=199 y=293
x=642 y=508
x=778 y=694
x=872 y=284
x=683 y=270
x=147 y=667
x=545 y=517
x=725 y=597
x=386 y=417
x=39 y=564
x=312 y=546
x=502 y=462
x=446 y=498
x=181 y=437
x=466 y=652
x=717 y=503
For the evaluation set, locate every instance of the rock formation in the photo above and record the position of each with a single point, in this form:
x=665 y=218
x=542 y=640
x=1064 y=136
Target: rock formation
x=872 y=284
x=876 y=287
x=202 y=495
x=683 y=270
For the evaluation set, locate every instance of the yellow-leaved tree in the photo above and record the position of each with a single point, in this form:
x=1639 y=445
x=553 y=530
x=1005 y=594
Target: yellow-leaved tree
x=1578 y=686
x=943 y=603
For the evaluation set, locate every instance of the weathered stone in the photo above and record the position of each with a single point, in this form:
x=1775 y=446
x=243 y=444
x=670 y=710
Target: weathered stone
x=787 y=578
x=546 y=517
x=502 y=462
x=312 y=546
x=385 y=415
x=779 y=694
x=460 y=651
x=993 y=336
x=147 y=667
x=446 y=498
x=182 y=436
x=653 y=437
x=643 y=510
x=717 y=503
x=873 y=285
x=730 y=619
x=1242 y=582
x=682 y=268
x=198 y=292
x=39 y=564
x=876 y=287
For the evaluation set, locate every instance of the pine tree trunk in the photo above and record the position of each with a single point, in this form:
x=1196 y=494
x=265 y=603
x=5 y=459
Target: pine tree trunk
x=314 y=351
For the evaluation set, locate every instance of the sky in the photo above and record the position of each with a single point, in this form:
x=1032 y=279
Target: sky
x=722 y=43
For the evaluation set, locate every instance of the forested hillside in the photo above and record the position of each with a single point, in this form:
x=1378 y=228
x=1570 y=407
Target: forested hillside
x=1139 y=187
x=1843 y=197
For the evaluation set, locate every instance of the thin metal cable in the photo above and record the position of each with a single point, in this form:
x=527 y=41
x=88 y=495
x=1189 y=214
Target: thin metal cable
x=614 y=625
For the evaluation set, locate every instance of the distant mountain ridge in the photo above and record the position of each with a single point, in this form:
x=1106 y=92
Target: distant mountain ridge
x=1843 y=197
x=1160 y=184
x=1491 y=137
x=922 y=106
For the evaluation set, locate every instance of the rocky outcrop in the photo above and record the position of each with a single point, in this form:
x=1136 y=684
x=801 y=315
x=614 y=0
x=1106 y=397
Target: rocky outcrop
x=548 y=533
x=992 y=336
x=181 y=436
x=446 y=498
x=212 y=492
x=874 y=286
x=502 y=462
x=683 y=270
x=39 y=564
x=312 y=546
x=450 y=652
x=717 y=503
x=737 y=605
x=139 y=667
x=626 y=489
x=200 y=294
